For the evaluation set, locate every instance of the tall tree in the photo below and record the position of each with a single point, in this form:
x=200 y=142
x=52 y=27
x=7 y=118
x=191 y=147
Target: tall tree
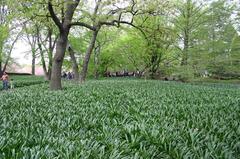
x=189 y=18
x=61 y=45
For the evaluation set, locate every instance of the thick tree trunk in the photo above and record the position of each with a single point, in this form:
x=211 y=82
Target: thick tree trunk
x=88 y=55
x=74 y=64
x=64 y=27
x=55 y=83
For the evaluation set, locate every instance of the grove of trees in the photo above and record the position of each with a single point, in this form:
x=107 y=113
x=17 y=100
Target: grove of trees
x=180 y=39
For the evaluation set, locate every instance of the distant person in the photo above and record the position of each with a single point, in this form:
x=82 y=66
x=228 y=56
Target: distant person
x=64 y=75
x=73 y=75
x=5 y=79
x=11 y=84
x=69 y=76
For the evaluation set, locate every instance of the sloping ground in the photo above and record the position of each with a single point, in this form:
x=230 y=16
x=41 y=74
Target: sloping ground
x=121 y=119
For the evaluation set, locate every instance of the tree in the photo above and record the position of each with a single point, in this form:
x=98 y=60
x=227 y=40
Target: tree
x=9 y=33
x=189 y=18
x=4 y=29
x=214 y=39
x=32 y=41
x=61 y=45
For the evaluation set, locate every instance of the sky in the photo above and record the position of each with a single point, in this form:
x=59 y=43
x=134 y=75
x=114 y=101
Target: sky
x=20 y=53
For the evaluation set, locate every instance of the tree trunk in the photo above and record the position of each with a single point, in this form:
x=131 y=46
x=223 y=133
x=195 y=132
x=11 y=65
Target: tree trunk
x=10 y=53
x=96 y=61
x=1 y=72
x=186 y=34
x=50 y=52
x=6 y=63
x=88 y=55
x=64 y=27
x=154 y=64
x=42 y=58
x=33 y=61
x=44 y=65
x=185 y=49
x=74 y=64
x=55 y=83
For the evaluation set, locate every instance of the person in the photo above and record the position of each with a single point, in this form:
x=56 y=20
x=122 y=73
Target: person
x=69 y=76
x=11 y=84
x=5 y=79
x=64 y=75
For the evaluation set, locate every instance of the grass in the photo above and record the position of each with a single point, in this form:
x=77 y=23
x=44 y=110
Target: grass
x=26 y=78
x=215 y=81
x=121 y=119
x=22 y=81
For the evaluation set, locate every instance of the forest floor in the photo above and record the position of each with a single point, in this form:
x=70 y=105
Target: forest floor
x=121 y=118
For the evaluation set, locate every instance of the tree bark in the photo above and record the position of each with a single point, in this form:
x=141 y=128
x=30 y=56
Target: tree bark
x=186 y=34
x=185 y=49
x=55 y=83
x=33 y=61
x=1 y=72
x=42 y=55
x=96 y=61
x=74 y=63
x=43 y=62
x=63 y=27
x=50 y=52
x=88 y=55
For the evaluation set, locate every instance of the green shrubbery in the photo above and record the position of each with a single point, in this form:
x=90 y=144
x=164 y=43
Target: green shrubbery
x=184 y=73
x=120 y=119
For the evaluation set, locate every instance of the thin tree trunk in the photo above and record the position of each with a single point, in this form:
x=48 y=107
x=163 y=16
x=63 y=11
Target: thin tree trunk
x=33 y=61
x=185 y=49
x=74 y=64
x=50 y=52
x=43 y=62
x=1 y=71
x=96 y=61
x=9 y=53
x=88 y=55
x=186 y=35
x=42 y=58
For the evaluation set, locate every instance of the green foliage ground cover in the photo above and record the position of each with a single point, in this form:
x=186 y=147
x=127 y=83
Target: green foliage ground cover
x=120 y=119
x=22 y=81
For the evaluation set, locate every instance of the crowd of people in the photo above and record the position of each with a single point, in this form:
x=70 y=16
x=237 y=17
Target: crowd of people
x=67 y=75
x=124 y=73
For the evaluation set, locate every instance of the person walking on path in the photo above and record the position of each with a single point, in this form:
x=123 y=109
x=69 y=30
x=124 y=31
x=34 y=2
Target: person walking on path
x=5 y=79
